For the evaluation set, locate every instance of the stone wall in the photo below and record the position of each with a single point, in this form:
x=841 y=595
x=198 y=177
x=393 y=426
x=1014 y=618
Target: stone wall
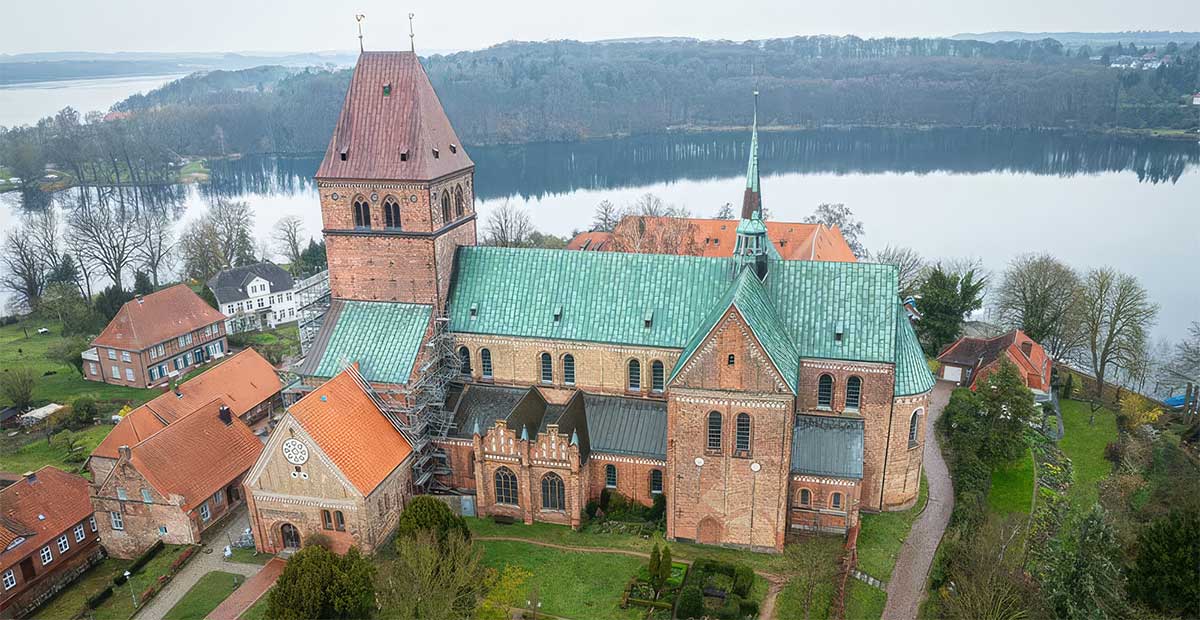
x=819 y=514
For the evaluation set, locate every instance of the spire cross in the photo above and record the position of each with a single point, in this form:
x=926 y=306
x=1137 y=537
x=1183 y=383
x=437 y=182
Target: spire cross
x=412 y=42
x=359 y=18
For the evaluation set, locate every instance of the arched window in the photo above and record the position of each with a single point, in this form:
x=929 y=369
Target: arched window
x=464 y=361
x=326 y=520
x=553 y=495
x=362 y=212
x=729 y=361
x=805 y=497
x=485 y=363
x=506 y=487
x=569 y=369
x=914 y=427
x=657 y=377
x=391 y=213
x=836 y=501
x=445 y=206
x=547 y=368
x=635 y=376
x=339 y=521
x=714 y=431
x=825 y=392
x=458 y=201
x=853 y=393
x=655 y=481
x=742 y=438
x=610 y=476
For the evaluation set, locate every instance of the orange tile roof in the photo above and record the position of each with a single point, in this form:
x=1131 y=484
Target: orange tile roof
x=197 y=455
x=594 y=241
x=717 y=238
x=60 y=498
x=242 y=381
x=157 y=317
x=351 y=429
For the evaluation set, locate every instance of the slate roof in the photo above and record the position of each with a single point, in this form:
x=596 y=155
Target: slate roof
x=629 y=426
x=157 y=317
x=60 y=497
x=348 y=426
x=384 y=338
x=828 y=446
x=230 y=285
x=375 y=128
x=482 y=405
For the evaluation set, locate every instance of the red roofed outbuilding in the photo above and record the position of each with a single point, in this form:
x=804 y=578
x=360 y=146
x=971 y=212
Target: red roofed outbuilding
x=970 y=360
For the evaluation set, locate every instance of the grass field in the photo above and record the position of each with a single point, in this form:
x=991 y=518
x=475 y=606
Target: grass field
x=202 y=598
x=119 y=606
x=1012 y=487
x=38 y=453
x=824 y=550
x=248 y=556
x=258 y=610
x=1084 y=444
x=863 y=602
x=881 y=536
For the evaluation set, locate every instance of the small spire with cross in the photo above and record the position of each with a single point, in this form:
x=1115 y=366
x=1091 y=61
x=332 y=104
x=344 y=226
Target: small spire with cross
x=359 y=17
x=412 y=42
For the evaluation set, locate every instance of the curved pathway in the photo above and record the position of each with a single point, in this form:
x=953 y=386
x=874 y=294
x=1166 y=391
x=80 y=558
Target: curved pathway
x=906 y=588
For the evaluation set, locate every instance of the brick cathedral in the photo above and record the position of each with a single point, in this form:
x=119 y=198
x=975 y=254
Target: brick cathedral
x=760 y=395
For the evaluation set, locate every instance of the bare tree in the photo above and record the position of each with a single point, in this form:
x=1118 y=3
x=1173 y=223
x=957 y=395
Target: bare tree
x=725 y=212
x=1041 y=296
x=607 y=217
x=909 y=262
x=809 y=571
x=655 y=235
x=23 y=272
x=105 y=235
x=289 y=239
x=157 y=250
x=842 y=217
x=649 y=205
x=44 y=226
x=508 y=227
x=232 y=222
x=1116 y=315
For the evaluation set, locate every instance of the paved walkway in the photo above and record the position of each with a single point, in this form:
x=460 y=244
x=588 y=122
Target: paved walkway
x=200 y=565
x=247 y=595
x=906 y=588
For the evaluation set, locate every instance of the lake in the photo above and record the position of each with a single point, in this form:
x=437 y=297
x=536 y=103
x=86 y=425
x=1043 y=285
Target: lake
x=1130 y=203
x=27 y=103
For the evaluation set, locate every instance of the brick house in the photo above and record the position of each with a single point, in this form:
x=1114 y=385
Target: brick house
x=258 y=296
x=176 y=483
x=155 y=338
x=47 y=538
x=761 y=396
x=335 y=466
x=969 y=360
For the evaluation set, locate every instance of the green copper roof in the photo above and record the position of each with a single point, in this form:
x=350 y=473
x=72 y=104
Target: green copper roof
x=748 y=296
x=912 y=373
x=752 y=226
x=752 y=165
x=383 y=337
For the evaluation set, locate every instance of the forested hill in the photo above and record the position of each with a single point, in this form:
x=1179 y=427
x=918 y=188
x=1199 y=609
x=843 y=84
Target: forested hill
x=566 y=90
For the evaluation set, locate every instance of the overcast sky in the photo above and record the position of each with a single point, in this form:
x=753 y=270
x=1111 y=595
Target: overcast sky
x=313 y=25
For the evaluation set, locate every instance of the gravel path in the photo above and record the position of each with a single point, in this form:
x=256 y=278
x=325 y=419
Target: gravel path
x=906 y=588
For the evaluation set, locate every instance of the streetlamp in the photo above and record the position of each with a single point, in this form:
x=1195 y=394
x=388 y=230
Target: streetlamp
x=132 y=592
x=534 y=602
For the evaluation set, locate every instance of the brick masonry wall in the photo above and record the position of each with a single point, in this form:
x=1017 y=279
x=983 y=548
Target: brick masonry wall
x=902 y=476
x=461 y=455
x=529 y=461
x=25 y=597
x=140 y=520
x=140 y=361
x=820 y=514
x=633 y=476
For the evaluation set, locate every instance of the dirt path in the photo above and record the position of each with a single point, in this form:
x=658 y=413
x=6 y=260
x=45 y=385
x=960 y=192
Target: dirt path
x=766 y=610
x=906 y=588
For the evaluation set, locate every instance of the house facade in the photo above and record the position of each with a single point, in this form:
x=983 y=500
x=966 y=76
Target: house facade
x=47 y=538
x=254 y=297
x=760 y=395
x=970 y=360
x=156 y=338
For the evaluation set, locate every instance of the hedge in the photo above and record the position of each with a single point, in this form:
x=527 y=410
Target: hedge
x=96 y=599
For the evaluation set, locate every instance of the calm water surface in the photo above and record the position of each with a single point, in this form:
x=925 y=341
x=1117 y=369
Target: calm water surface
x=25 y=104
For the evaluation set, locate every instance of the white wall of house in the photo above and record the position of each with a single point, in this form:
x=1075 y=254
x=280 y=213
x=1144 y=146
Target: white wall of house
x=279 y=306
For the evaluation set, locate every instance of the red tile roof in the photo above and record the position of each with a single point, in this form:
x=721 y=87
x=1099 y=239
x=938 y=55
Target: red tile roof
x=39 y=510
x=375 y=128
x=242 y=381
x=157 y=317
x=197 y=455
x=595 y=241
x=982 y=353
x=716 y=238
x=349 y=427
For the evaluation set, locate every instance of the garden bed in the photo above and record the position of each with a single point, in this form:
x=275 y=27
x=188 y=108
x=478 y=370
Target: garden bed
x=718 y=589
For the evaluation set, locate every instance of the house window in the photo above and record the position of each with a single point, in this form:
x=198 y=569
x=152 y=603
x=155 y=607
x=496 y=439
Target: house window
x=112 y=355
x=914 y=427
x=464 y=361
x=657 y=377
x=153 y=374
x=714 y=431
x=634 y=381
x=391 y=213
x=655 y=481
x=853 y=393
x=63 y=544
x=92 y=523
x=553 y=493
x=836 y=502
x=10 y=579
x=146 y=499
x=219 y=498
x=339 y=521
x=458 y=201
x=731 y=360
x=569 y=369
x=362 y=213
x=547 y=368
x=326 y=520
x=742 y=436
x=506 y=487
x=205 y=514
x=610 y=476
x=117 y=522
x=805 y=498
x=485 y=363
x=79 y=533
x=825 y=392
x=91 y=368
x=445 y=206
x=122 y=495
x=162 y=530
x=129 y=374
x=47 y=555
x=116 y=372
x=125 y=356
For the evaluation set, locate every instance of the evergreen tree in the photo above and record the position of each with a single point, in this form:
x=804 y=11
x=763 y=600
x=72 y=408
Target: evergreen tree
x=652 y=568
x=1081 y=577
x=1007 y=409
x=65 y=271
x=317 y=583
x=664 y=570
x=142 y=284
x=427 y=513
x=209 y=297
x=947 y=298
x=1166 y=574
x=110 y=300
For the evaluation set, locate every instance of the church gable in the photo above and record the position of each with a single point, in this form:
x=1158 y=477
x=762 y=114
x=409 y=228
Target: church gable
x=730 y=358
x=293 y=464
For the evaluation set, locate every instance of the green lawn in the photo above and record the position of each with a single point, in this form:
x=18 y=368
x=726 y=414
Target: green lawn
x=38 y=453
x=249 y=556
x=863 y=602
x=205 y=595
x=1012 y=487
x=581 y=586
x=68 y=602
x=257 y=611
x=1084 y=444
x=58 y=382
x=881 y=536
x=825 y=551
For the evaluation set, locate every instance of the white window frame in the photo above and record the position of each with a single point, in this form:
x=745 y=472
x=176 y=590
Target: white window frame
x=92 y=523
x=79 y=533
x=129 y=374
x=112 y=354
x=117 y=522
x=10 y=579
x=64 y=544
x=205 y=513
x=146 y=498
x=219 y=498
x=162 y=530
x=125 y=357
x=122 y=495
x=153 y=373
x=116 y=372
x=47 y=555
x=92 y=368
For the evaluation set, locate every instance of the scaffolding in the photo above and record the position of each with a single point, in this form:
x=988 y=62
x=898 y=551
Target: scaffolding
x=313 y=300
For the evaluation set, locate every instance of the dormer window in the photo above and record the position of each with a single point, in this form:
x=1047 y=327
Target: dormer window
x=648 y=319
x=453 y=148
x=404 y=155
x=838 y=332
x=387 y=90
x=345 y=153
x=557 y=313
x=436 y=154
x=474 y=311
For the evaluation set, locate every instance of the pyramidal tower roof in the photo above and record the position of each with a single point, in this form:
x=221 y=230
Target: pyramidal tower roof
x=752 y=199
x=392 y=125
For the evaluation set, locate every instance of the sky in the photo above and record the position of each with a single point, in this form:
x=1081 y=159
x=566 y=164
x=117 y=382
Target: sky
x=442 y=25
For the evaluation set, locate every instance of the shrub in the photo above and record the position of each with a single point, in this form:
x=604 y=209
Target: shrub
x=1165 y=575
x=83 y=412
x=659 y=509
x=732 y=609
x=119 y=580
x=96 y=599
x=691 y=603
x=317 y=583
x=1113 y=452
x=425 y=512
x=743 y=579
x=749 y=608
x=591 y=508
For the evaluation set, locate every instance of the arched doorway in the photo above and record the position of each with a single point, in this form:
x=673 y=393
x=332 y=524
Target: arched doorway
x=291 y=536
x=709 y=531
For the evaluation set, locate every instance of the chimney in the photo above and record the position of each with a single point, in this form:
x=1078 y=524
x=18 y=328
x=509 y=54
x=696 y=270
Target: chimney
x=178 y=394
x=123 y=451
x=225 y=415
